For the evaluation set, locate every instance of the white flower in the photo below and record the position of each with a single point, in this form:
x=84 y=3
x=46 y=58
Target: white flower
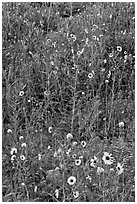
x=87 y=40
x=94 y=37
x=79 y=53
x=45 y=93
x=74 y=156
x=13 y=151
x=48 y=147
x=99 y=170
x=22 y=184
x=52 y=63
x=86 y=30
x=57 y=168
x=109 y=74
x=48 y=40
x=110 y=54
x=71 y=180
x=50 y=129
x=13 y=158
x=57 y=193
x=21 y=93
x=77 y=162
x=89 y=178
x=59 y=150
x=35 y=189
x=21 y=137
x=9 y=131
x=119 y=48
x=39 y=157
x=55 y=154
x=125 y=57
x=106 y=81
x=105 y=61
x=111 y=169
x=23 y=145
x=121 y=124
x=103 y=69
x=119 y=168
x=76 y=194
x=69 y=136
x=107 y=158
x=90 y=75
x=22 y=157
x=83 y=143
x=93 y=162
x=72 y=36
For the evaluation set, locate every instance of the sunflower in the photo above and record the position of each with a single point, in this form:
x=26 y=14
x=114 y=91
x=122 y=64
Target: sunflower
x=107 y=158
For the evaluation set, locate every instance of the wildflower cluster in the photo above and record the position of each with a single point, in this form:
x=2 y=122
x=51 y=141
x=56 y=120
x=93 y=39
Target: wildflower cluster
x=68 y=101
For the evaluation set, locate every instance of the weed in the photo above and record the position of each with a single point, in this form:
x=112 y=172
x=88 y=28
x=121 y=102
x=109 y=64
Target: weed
x=68 y=102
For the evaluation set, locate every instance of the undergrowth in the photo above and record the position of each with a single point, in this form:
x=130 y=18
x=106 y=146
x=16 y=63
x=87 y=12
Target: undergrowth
x=68 y=102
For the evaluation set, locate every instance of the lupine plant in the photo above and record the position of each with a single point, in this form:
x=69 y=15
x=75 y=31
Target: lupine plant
x=68 y=94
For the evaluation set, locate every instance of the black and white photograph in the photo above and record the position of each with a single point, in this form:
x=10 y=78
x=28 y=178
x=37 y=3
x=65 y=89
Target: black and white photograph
x=68 y=101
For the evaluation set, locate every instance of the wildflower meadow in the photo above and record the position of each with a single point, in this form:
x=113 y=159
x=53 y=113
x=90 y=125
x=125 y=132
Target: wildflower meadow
x=68 y=101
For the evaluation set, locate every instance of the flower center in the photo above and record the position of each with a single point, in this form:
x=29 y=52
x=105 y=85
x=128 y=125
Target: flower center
x=118 y=168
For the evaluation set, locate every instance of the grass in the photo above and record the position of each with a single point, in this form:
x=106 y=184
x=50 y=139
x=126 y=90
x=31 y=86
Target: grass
x=68 y=102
